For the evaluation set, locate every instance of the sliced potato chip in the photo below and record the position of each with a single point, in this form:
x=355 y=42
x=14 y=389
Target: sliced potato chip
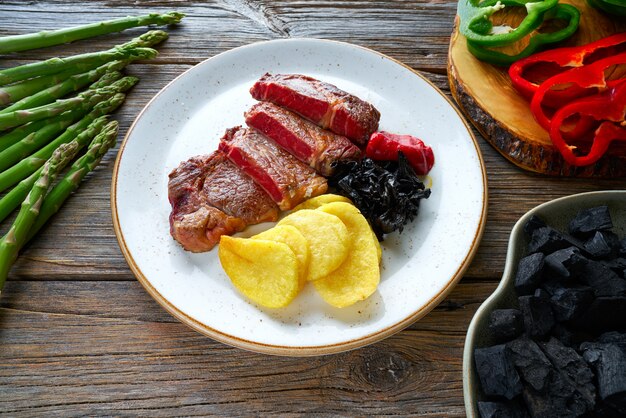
x=317 y=201
x=290 y=235
x=358 y=276
x=264 y=271
x=327 y=237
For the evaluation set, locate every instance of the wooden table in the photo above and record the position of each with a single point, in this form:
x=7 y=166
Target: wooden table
x=80 y=336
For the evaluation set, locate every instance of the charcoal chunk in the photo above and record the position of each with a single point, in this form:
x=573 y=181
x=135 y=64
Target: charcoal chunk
x=531 y=363
x=537 y=314
x=495 y=370
x=588 y=221
x=573 y=368
x=609 y=363
x=565 y=262
x=506 y=324
x=603 y=280
x=533 y=223
x=604 y=314
x=603 y=244
x=617 y=264
x=617 y=338
x=528 y=274
x=568 y=303
x=542 y=293
x=559 y=400
x=501 y=410
x=622 y=247
x=547 y=240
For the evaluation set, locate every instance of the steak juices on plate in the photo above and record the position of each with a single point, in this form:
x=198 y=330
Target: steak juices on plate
x=242 y=183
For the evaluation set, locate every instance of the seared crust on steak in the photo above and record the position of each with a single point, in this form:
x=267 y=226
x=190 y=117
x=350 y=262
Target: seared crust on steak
x=320 y=102
x=311 y=144
x=285 y=178
x=211 y=197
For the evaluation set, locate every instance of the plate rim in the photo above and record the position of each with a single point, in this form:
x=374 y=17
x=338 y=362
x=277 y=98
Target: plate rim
x=297 y=351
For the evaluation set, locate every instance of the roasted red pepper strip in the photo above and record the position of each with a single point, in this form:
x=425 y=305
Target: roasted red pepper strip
x=608 y=108
x=385 y=146
x=555 y=61
x=576 y=82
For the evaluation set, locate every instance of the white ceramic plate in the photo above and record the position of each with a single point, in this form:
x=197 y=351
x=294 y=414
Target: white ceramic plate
x=187 y=118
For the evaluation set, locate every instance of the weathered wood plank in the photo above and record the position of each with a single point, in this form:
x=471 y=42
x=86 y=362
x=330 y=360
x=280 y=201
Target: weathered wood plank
x=67 y=348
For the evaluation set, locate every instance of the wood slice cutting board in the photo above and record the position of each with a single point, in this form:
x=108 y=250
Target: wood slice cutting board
x=485 y=95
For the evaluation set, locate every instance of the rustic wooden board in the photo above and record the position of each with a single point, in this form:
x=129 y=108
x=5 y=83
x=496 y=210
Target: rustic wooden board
x=79 y=336
x=514 y=132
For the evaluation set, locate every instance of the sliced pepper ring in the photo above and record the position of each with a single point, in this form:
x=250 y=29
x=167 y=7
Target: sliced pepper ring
x=476 y=26
x=564 y=59
x=580 y=81
x=561 y=12
x=608 y=108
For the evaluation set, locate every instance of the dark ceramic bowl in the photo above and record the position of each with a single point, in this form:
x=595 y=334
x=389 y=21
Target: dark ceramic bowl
x=557 y=213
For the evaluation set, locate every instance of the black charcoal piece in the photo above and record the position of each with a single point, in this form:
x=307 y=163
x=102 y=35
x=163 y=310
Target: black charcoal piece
x=590 y=220
x=551 y=284
x=565 y=262
x=533 y=223
x=568 y=303
x=509 y=409
x=603 y=244
x=528 y=274
x=606 y=313
x=614 y=337
x=531 y=363
x=609 y=363
x=542 y=293
x=495 y=370
x=547 y=240
x=618 y=265
x=506 y=324
x=603 y=280
x=560 y=399
x=537 y=314
x=622 y=246
x=573 y=367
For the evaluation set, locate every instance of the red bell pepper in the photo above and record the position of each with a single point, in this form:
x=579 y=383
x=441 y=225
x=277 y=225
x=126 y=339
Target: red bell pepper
x=576 y=82
x=528 y=73
x=608 y=112
x=385 y=146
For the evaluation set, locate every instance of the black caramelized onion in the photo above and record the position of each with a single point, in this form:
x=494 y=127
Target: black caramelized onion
x=387 y=193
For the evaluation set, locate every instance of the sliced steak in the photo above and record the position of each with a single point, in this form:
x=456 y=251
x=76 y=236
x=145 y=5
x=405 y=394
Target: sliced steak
x=303 y=139
x=211 y=197
x=320 y=102
x=287 y=180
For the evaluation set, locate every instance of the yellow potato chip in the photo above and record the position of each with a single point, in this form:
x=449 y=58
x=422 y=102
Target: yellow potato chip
x=317 y=201
x=290 y=235
x=327 y=237
x=358 y=276
x=264 y=271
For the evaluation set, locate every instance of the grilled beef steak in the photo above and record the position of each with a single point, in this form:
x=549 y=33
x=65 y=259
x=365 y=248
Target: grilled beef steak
x=287 y=180
x=320 y=102
x=303 y=139
x=211 y=197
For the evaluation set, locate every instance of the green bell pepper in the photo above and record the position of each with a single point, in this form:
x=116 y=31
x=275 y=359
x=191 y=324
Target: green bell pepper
x=477 y=27
x=614 y=7
x=564 y=12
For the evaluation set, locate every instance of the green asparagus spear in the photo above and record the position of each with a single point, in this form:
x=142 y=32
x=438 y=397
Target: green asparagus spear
x=104 y=141
x=12 y=199
x=29 y=165
x=13 y=241
x=72 y=84
x=137 y=48
x=49 y=38
x=84 y=62
x=89 y=97
x=17 y=91
x=53 y=125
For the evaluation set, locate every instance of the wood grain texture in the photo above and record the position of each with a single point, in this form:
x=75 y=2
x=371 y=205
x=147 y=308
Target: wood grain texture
x=78 y=334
